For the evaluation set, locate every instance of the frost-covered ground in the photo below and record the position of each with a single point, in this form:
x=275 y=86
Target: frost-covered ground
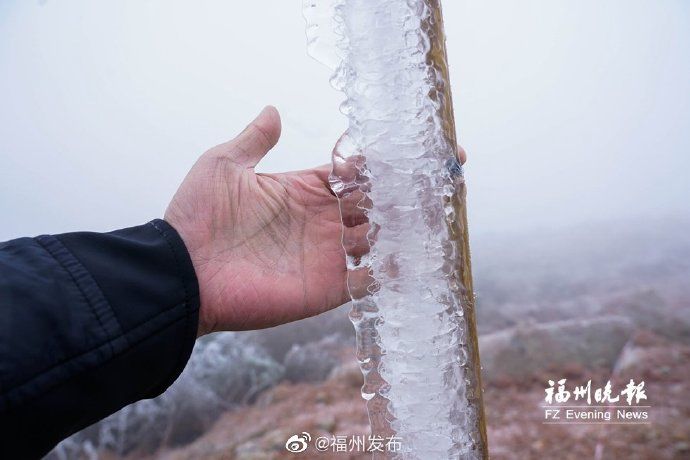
x=515 y=425
x=579 y=303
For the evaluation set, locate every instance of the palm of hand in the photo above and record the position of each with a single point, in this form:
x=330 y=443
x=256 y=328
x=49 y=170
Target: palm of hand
x=266 y=247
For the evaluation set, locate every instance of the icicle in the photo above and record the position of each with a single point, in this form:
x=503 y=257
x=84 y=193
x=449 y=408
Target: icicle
x=413 y=304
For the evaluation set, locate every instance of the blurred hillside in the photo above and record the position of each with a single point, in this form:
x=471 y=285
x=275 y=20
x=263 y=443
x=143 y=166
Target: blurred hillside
x=593 y=302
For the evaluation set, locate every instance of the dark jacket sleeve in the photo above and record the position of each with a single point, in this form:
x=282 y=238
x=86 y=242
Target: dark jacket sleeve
x=89 y=322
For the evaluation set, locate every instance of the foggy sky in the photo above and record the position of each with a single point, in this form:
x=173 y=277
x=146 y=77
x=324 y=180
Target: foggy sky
x=570 y=111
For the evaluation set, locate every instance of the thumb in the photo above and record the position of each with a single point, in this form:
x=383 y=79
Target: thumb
x=260 y=136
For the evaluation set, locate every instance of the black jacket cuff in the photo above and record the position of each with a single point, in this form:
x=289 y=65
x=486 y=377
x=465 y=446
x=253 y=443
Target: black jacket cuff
x=92 y=323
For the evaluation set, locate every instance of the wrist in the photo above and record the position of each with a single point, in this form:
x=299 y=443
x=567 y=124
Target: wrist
x=189 y=237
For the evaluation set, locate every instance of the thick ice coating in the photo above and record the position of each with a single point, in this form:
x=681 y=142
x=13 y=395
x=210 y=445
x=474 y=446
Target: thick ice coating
x=397 y=177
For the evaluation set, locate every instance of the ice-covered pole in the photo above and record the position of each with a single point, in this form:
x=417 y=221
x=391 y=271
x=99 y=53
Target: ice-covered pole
x=413 y=304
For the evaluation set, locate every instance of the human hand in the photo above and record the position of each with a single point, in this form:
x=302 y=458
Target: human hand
x=266 y=248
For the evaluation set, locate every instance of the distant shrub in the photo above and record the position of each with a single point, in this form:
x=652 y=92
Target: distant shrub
x=314 y=361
